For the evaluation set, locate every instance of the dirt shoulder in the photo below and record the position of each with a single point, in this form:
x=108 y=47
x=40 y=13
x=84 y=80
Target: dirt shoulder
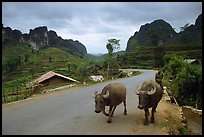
x=168 y=121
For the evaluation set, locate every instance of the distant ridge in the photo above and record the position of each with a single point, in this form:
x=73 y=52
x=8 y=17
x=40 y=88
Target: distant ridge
x=40 y=37
x=159 y=32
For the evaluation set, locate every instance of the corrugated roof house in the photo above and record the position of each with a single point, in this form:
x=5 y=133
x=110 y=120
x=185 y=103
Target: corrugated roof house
x=52 y=77
x=192 y=61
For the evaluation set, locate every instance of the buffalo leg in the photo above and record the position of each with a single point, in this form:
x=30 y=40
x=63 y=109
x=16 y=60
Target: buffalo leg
x=104 y=112
x=125 y=110
x=110 y=114
x=110 y=110
x=113 y=111
x=152 y=117
x=146 y=121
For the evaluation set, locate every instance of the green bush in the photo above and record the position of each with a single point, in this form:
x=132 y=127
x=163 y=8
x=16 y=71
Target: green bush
x=188 y=85
x=185 y=81
x=183 y=130
x=122 y=74
x=135 y=73
x=174 y=66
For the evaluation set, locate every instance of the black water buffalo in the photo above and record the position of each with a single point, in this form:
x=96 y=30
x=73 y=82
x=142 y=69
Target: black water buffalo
x=111 y=95
x=149 y=94
x=159 y=77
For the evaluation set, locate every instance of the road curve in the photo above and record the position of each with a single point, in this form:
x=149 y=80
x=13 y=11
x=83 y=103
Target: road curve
x=71 y=112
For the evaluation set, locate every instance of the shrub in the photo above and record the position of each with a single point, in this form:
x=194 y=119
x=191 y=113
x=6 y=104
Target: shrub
x=188 y=85
x=174 y=65
x=186 y=81
x=183 y=130
x=135 y=73
x=122 y=74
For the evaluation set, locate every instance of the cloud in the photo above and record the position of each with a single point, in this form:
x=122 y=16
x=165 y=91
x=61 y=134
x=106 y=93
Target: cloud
x=93 y=23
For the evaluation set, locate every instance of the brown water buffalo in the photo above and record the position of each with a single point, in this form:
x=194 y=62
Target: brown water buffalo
x=149 y=94
x=111 y=95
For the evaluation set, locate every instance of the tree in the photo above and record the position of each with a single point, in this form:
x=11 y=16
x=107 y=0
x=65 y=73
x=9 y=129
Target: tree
x=82 y=72
x=185 y=38
x=184 y=80
x=50 y=59
x=159 y=54
x=112 y=46
x=184 y=27
x=12 y=63
x=26 y=56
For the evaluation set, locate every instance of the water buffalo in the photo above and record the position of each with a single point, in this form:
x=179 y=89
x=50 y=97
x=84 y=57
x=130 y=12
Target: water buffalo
x=111 y=95
x=159 y=77
x=149 y=94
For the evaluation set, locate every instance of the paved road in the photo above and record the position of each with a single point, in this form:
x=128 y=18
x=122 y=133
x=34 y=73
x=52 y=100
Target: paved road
x=71 y=111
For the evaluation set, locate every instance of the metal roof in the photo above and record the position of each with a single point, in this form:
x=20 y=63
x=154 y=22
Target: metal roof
x=51 y=74
x=190 y=60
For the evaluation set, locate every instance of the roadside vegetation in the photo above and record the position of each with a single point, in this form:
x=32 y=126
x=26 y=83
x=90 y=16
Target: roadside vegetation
x=184 y=80
x=150 y=57
x=21 y=64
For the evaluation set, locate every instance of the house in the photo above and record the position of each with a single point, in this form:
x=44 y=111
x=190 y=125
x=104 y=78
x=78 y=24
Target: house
x=192 y=61
x=53 y=78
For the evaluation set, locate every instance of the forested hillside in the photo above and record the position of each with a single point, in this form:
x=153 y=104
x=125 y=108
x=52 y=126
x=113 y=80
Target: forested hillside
x=146 y=48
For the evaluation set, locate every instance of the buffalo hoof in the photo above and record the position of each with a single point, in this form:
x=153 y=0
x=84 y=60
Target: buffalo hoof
x=125 y=113
x=108 y=121
x=146 y=122
x=152 y=121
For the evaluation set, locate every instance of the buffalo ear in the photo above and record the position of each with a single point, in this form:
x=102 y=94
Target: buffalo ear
x=106 y=95
x=137 y=92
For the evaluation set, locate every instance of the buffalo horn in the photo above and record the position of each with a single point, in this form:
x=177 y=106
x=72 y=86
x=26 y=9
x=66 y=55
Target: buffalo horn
x=106 y=95
x=152 y=91
x=137 y=91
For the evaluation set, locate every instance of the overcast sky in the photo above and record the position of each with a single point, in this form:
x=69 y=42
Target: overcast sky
x=93 y=23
